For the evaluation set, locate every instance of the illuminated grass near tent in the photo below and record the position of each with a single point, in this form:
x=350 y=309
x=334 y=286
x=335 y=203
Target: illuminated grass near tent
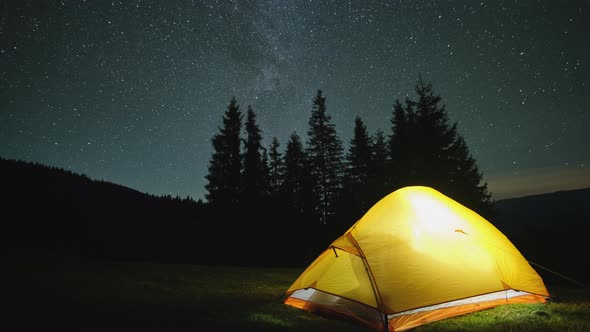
x=104 y=296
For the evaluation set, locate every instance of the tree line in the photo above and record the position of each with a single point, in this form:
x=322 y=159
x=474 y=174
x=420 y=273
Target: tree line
x=265 y=206
x=311 y=192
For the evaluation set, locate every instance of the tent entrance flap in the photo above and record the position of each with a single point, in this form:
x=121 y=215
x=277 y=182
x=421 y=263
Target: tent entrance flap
x=334 y=306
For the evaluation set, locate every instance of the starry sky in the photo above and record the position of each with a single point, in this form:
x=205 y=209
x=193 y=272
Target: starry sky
x=132 y=91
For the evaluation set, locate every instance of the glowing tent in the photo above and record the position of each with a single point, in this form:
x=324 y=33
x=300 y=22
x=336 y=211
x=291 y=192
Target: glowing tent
x=415 y=257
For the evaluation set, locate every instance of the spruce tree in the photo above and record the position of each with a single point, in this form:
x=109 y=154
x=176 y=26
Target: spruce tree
x=354 y=200
x=433 y=136
x=324 y=150
x=296 y=184
x=359 y=154
x=402 y=150
x=265 y=164
x=255 y=172
x=225 y=165
x=276 y=166
x=427 y=149
x=466 y=180
x=378 y=184
x=298 y=197
x=379 y=149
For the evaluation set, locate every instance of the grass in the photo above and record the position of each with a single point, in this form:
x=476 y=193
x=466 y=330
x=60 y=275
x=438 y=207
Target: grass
x=78 y=295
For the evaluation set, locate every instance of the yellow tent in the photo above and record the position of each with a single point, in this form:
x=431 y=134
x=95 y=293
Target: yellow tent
x=415 y=257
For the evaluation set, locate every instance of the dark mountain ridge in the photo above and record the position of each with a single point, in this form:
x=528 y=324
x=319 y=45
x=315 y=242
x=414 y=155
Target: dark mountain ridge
x=551 y=231
x=26 y=179
x=55 y=210
x=566 y=206
x=48 y=209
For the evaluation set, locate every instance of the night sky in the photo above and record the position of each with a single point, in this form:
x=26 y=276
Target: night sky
x=132 y=92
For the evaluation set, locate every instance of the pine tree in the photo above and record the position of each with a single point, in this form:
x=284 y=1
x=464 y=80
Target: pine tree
x=265 y=164
x=296 y=177
x=378 y=184
x=298 y=196
x=466 y=180
x=225 y=164
x=399 y=124
x=255 y=174
x=379 y=152
x=354 y=200
x=401 y=149
x=433 y=136
x=324 y=150
x=428 y=150
x=276 y=166
x=359 y=155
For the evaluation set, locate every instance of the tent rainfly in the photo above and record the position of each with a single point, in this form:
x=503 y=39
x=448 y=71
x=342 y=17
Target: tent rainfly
x=415 y=257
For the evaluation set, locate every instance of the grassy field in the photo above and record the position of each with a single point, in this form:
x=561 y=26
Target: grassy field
x=77 y=295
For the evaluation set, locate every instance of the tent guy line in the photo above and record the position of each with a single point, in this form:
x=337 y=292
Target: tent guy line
x=559 y=274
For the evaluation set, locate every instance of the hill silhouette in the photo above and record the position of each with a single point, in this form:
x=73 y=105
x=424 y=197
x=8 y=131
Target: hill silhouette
x=551 y=231
x=25 y=180
x=51 y=210
x=48 y=209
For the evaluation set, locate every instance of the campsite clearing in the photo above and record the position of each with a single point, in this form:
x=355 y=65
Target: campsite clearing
x=81 y=295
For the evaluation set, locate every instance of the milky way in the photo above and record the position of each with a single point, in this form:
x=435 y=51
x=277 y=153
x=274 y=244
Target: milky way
x=133 y=91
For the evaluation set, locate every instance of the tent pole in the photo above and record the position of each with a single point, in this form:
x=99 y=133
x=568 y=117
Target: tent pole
x=373 y=284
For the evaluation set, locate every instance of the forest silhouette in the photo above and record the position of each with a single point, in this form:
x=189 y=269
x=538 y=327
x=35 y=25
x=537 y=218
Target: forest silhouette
x=256 y=196
x=264 y=207
x=317 y=190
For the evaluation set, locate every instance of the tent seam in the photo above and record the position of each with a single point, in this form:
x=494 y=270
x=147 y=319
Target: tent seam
x=374 y=285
